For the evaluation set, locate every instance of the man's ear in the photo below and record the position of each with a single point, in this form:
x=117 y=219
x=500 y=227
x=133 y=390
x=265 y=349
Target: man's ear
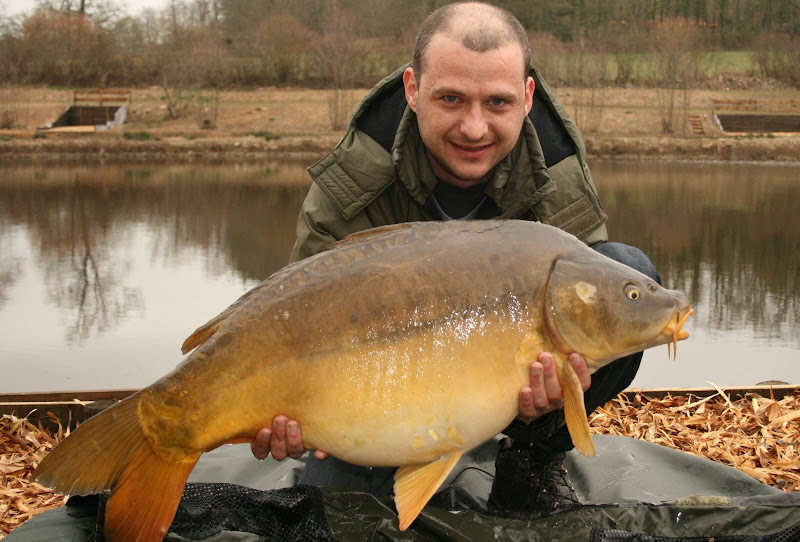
x=530 y=86
x=412 y=90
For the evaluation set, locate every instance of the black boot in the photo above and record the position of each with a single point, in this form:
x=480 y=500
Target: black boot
x=530 y=481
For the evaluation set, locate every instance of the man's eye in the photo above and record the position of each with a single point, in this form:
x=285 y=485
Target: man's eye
x=450 y=99
x=497 y=102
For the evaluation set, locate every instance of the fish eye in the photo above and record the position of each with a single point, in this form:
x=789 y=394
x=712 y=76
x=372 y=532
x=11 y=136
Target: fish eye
x=632 y=292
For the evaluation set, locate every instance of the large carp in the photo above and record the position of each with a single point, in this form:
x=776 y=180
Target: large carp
x=401 y=346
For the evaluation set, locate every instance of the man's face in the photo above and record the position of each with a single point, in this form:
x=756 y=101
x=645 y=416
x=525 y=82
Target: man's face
x=470 y=107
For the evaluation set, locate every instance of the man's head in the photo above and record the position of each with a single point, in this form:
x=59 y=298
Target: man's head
x=470 y=88
x=479 y=27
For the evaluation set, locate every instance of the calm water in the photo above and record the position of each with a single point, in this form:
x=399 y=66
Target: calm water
x=105 y=270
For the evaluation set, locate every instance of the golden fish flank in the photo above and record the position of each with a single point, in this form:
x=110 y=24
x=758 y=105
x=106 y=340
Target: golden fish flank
x=403 y=346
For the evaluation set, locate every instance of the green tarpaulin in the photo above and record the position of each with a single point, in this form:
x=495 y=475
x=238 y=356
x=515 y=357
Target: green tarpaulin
x=632 y=490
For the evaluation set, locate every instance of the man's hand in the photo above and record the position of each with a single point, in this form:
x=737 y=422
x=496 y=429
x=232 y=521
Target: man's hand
x=283 y=440
x=544 y=393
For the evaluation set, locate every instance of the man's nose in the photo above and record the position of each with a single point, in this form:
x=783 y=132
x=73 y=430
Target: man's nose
x=474 y=124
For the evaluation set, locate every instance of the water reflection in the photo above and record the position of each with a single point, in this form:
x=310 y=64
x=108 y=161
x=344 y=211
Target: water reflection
x=727 y=235
x=105 y=270
x=103 y=267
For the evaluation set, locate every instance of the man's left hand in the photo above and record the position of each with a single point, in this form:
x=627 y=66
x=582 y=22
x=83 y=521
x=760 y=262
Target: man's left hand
x=544 y=394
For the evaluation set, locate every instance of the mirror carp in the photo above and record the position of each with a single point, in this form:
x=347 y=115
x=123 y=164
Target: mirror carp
x=402 y=346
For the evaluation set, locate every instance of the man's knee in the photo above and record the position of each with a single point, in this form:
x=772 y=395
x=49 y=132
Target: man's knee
x=630 y=256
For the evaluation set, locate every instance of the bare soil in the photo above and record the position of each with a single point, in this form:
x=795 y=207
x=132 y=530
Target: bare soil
x=276 y=123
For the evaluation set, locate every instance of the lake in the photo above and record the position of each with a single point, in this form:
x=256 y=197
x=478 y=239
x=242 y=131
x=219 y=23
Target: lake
x=105 y=270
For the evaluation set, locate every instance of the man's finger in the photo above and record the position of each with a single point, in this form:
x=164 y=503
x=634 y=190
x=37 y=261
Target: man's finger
x=526 y=407
x=294 y=440
x=278 y=442
x=550 y=373
x=581 y=370
x=260 y=444
x=537 y=386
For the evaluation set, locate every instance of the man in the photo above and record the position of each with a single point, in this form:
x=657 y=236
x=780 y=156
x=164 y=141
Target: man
x=465 y=132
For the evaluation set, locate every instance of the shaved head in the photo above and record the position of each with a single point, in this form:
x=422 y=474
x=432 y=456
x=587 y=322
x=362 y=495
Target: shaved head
x=477 y=26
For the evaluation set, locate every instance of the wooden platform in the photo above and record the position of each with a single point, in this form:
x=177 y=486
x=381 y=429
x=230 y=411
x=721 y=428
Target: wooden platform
x=102 y=97
x=92 y=110
x=757 y=116
x=758 y=123
x=70 y=407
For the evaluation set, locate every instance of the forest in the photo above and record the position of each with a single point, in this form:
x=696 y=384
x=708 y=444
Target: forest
x=220 y=44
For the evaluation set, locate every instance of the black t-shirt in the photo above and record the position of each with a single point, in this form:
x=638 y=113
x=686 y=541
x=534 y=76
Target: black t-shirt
x=453 y=202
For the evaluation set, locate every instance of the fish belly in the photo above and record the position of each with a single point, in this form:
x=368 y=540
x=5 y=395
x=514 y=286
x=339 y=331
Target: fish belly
x=388 y=401
x=413 y=398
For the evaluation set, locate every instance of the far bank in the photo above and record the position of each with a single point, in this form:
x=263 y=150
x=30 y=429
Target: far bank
x=293 y=123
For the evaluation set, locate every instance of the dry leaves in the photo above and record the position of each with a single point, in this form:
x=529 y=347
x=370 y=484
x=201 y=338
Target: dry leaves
x=22 y=446
x=757 y=435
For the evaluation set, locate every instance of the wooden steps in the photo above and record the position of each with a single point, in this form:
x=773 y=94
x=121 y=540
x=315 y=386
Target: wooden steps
x=696 y=123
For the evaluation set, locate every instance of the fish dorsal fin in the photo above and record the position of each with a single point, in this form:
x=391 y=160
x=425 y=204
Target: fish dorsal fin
x=372 y=233
x=574 y=408
x=201 y=335
x=204 y=332
x=414 y=485
x=207 y=330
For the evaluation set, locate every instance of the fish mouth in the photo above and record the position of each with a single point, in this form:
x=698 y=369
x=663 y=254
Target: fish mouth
x=674 y=329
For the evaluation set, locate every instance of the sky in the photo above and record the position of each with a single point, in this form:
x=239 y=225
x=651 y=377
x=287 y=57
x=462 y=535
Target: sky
x=15 y=7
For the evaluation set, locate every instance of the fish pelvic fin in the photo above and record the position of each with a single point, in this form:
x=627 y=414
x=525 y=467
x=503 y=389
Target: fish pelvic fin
x=574 y=408
x=414 y=485
x=110 y=452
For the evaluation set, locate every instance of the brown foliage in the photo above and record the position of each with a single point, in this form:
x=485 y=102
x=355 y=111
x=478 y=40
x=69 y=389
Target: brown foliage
x=57 y=46
x=757 y=435
x=282 y=34
x=778 y=57
x=22 y=447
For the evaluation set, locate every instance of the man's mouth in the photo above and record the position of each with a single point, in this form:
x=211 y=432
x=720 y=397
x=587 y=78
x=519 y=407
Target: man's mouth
x=470 y=150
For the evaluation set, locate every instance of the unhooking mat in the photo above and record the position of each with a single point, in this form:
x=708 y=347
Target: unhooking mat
x=632 y=491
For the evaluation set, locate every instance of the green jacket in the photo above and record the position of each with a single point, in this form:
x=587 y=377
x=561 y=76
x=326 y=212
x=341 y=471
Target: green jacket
x=379 y=174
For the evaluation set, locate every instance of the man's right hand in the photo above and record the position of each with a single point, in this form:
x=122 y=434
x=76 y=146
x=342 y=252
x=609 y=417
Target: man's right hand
x=284 y=439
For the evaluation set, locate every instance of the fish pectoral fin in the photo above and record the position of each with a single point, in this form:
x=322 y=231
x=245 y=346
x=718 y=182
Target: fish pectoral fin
x=414 y=485
x=574 y=408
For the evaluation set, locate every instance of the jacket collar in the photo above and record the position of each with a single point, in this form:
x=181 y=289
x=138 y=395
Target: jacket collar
x=518 y=182
x=360 y=168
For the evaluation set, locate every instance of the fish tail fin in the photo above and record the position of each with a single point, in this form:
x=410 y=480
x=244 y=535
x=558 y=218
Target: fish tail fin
x=143 y=504
x=110 y=452
x=574 y=408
